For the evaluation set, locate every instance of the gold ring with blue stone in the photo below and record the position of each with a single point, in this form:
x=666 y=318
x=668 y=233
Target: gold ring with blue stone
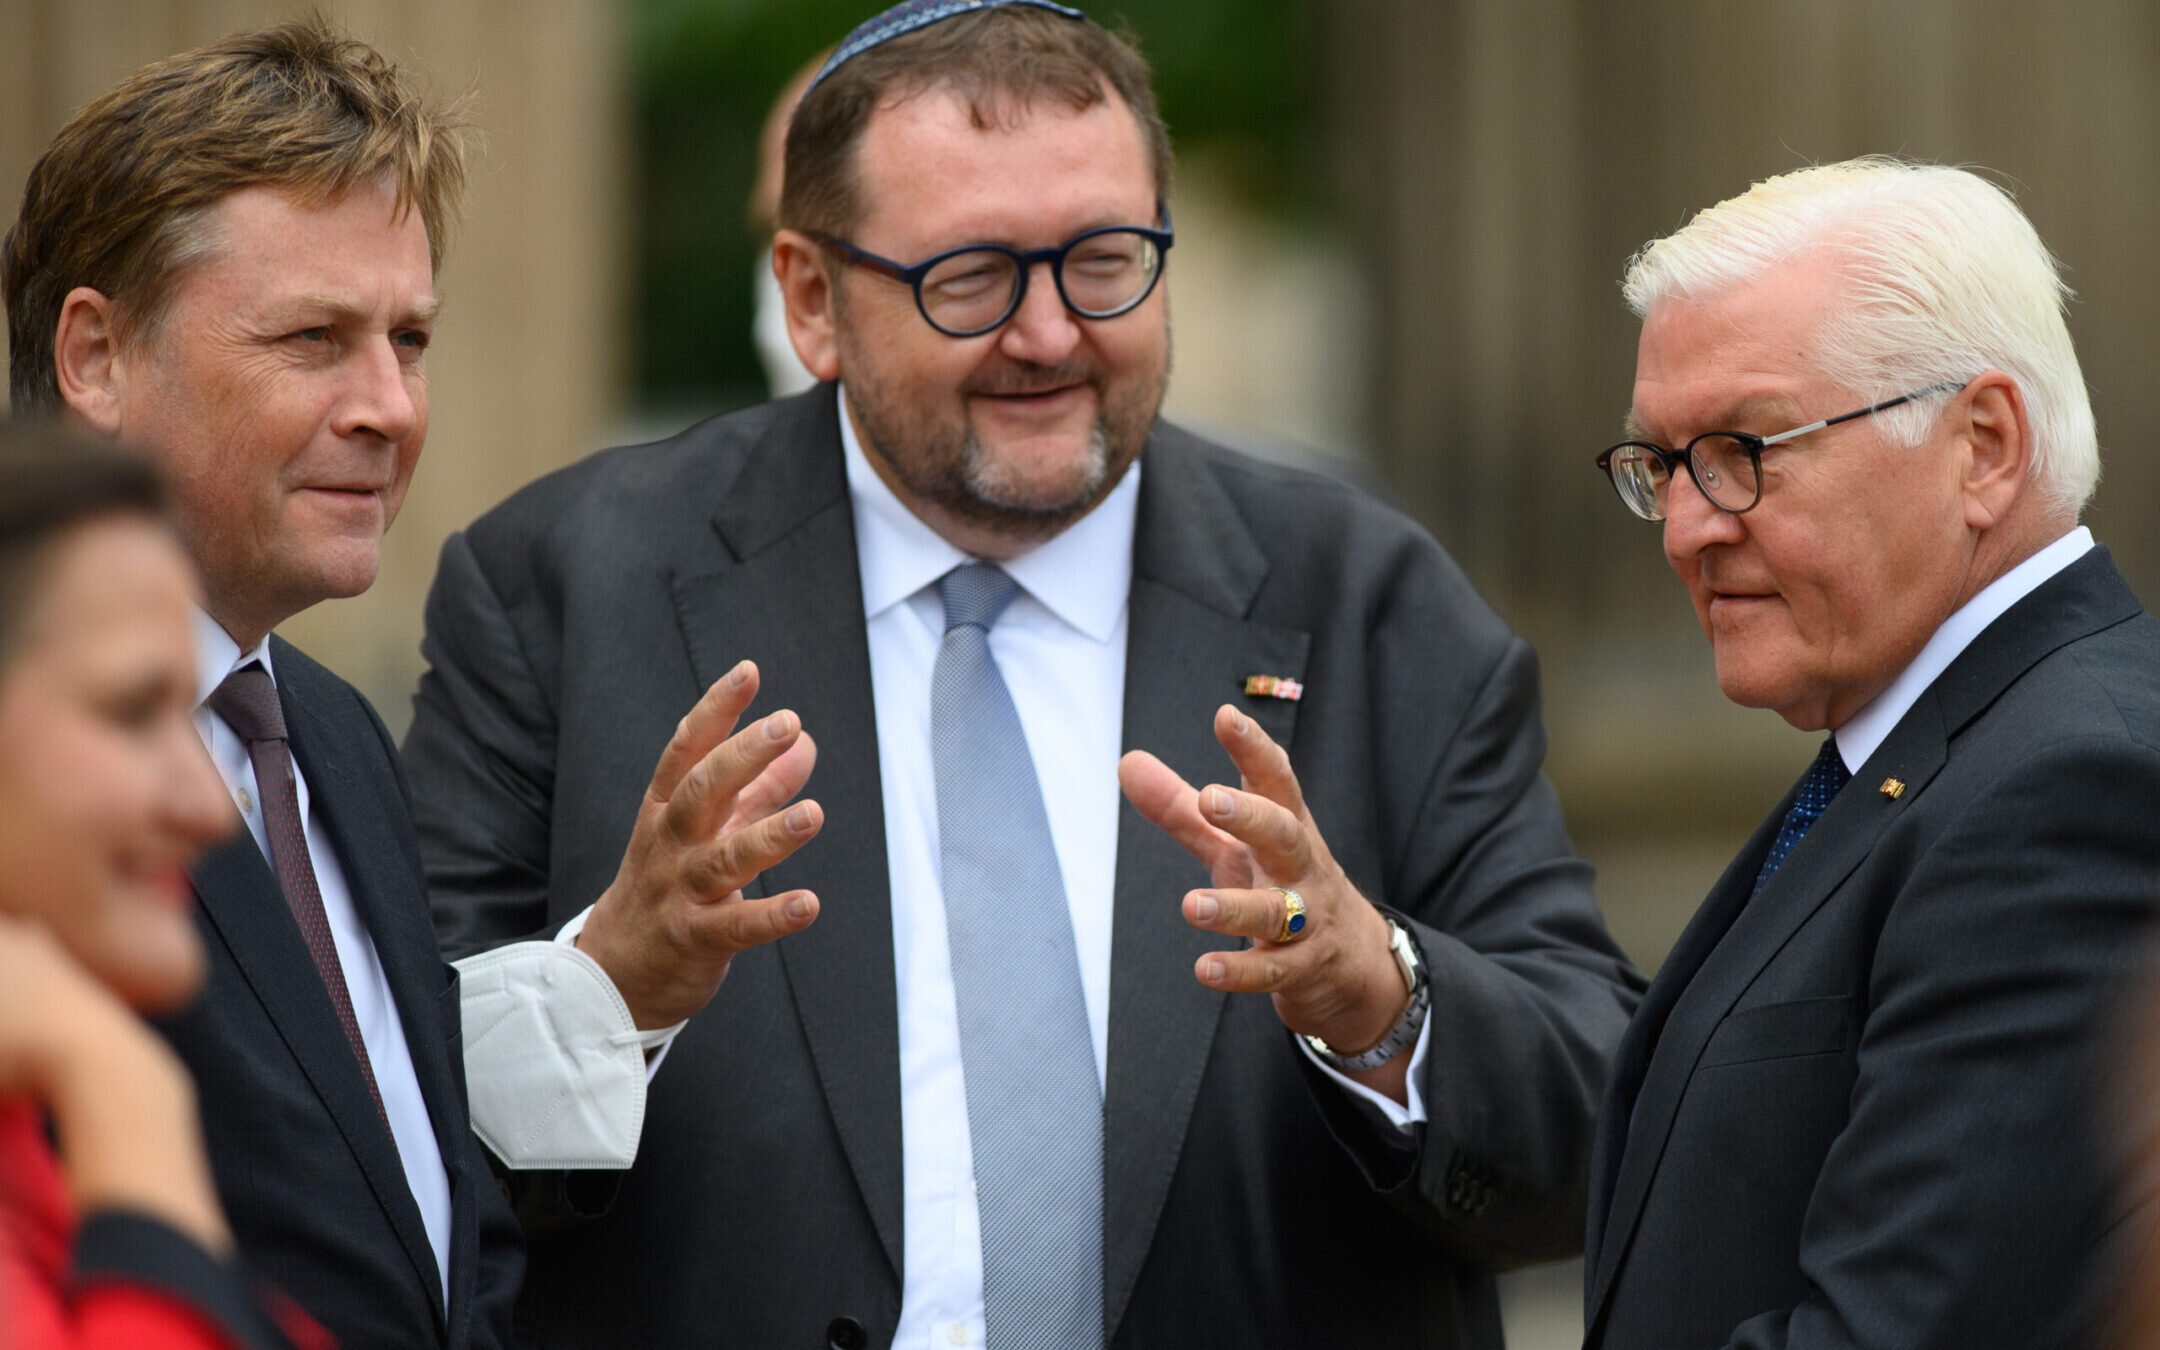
x=1293 y=919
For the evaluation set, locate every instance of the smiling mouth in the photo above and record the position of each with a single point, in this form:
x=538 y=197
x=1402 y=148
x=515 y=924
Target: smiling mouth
x=1030 y=395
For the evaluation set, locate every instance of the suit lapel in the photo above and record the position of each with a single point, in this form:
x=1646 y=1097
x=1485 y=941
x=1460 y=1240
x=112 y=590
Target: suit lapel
x=329 y=735
x=779 y=583
x=2085 y=597
x=244 y=907
x=1196 y=570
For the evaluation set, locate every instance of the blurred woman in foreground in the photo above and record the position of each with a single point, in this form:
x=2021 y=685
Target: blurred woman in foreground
x=106 y=795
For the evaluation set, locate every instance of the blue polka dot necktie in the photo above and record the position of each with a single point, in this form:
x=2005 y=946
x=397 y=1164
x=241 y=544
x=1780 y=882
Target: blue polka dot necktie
x=1034 y=1102
x=1824 y=777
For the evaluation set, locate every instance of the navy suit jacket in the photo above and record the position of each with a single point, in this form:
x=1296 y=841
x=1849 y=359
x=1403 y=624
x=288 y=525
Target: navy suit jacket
x=306 y=1168
x=1863 y=1108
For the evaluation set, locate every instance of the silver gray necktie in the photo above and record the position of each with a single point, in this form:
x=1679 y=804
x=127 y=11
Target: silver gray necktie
x=1034 y=1101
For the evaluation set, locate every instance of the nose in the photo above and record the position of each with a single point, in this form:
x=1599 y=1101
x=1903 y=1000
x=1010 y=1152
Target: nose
x=384 y=396
x=1693 y=522
x=1042 y=330
x=196 y=807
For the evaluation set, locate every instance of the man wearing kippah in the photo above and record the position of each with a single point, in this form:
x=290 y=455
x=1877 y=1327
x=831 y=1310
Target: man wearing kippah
x=1017 y=1086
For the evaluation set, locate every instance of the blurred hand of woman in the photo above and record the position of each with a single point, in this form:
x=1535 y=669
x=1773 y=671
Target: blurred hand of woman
x=120 y=1101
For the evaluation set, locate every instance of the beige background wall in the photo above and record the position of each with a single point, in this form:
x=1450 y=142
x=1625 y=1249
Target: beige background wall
x=526 y=367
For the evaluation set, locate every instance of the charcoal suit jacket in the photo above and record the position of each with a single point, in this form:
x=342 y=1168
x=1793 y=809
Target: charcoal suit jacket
x=1247 y=1202
x=305 y=1165
x=1864 y=1108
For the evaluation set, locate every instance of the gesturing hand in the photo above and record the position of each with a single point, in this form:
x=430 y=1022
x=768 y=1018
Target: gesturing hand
x=716 y=816
x=1336 y=980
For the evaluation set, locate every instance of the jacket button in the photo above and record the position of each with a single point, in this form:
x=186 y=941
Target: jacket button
x=845 y=1333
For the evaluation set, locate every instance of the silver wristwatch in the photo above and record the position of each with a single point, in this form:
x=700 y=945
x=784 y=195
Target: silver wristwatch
x=1404 y=1033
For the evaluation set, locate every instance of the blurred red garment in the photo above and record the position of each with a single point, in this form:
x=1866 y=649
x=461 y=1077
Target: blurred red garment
x=124 y=1282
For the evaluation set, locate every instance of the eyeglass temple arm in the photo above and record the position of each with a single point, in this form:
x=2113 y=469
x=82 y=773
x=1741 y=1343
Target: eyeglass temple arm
x=1783 y=436
x=863 y=259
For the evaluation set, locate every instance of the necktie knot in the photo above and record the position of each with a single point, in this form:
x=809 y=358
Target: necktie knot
x=975 y=594
x=248 y=702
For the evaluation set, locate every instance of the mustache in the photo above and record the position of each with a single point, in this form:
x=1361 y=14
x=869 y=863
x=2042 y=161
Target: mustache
x=1026 y=377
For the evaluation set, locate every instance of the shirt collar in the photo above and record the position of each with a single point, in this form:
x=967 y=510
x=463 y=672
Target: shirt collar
x=1866 y=729
x=1082 y=574
x=217 y=655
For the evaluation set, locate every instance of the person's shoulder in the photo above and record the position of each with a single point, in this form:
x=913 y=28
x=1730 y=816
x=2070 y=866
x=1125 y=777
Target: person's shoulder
x=2094 y=660
x=1330 y=542
x=321 y=691
x=1344 y=494
x=644 y=485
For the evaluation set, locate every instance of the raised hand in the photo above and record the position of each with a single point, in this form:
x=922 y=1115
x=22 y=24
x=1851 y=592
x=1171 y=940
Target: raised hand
x=1334 y=979
x=716 y=815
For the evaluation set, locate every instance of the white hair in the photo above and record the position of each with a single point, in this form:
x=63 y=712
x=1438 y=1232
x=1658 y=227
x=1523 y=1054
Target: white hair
x=1945 y=276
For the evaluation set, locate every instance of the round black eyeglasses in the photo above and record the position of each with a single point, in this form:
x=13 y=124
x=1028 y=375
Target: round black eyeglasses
x=1726 y=465
x=968 y=291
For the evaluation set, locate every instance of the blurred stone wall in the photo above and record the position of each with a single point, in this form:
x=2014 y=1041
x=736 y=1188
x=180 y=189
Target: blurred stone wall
x=525 y=368
x=1497 y=161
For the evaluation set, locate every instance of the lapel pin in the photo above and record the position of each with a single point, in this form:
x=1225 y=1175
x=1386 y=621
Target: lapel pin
x=1893 y=788
x=1273 y=686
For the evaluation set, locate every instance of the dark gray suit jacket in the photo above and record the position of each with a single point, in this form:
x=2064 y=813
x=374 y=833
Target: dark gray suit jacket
x=307 y=1170
x=570 y=628
x=1866 y=1104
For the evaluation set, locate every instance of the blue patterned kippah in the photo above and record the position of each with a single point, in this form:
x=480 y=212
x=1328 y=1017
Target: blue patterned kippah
x=910 y=15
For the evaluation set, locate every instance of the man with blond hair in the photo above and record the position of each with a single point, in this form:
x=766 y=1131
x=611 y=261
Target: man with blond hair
x=228 y=261
x=1858 y=1106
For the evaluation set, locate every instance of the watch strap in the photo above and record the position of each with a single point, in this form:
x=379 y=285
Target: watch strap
x=1405 y=1032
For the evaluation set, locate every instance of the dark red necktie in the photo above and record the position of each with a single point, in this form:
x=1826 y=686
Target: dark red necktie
x=248 y=702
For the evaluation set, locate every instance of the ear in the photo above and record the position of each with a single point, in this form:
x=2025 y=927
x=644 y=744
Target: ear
x=800 y=267
x=1996 y=437
x=87 y=360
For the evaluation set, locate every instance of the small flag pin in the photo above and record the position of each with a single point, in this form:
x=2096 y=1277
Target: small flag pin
x=1893 y=788
x=1273 y=686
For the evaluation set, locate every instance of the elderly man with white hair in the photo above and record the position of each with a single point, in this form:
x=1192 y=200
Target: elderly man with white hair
x=1858 y=1106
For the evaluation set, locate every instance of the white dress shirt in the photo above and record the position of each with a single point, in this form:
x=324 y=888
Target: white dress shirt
x=1865 y=730
x=1060 y=646
x=381 y=1030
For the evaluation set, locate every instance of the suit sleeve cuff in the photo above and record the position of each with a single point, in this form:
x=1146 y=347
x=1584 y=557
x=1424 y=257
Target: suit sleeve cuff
x=555 y=1065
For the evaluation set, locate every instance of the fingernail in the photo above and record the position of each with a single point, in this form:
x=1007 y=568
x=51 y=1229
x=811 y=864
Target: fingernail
x=1212 y=972
x=1218 y=803
x=798 y=908
x=1238 y=723
x=736 y=676
x=798 y=819
x=1206 y=907
x=776 y=727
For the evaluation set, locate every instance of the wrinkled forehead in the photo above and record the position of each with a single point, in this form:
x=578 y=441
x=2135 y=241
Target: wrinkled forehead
x=1748 y=360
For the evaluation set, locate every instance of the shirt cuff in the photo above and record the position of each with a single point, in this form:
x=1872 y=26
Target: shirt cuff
x=554 y=1064
x=656 y=1041
x=1402 y=1117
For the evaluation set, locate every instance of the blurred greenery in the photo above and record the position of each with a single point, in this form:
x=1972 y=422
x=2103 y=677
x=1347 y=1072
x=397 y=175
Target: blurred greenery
x=1234 y=77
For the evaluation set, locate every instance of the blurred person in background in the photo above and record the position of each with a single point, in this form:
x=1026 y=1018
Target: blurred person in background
x=1021 y=1084
x=785 y=373
x=117 y=1241
x=229 y=260
x=1861 y=1103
